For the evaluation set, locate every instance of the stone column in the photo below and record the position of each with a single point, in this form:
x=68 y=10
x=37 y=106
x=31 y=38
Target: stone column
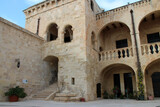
x=122 y=83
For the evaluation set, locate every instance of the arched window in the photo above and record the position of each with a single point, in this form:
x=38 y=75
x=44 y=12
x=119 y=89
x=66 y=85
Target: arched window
x=92 y=5
x=68 y=34
x=93 y=40
x=52 y=32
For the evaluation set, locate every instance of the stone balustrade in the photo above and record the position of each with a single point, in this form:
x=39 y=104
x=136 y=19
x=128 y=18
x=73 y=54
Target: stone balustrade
x=148 y=49
x=122 y=9
x=116 y=54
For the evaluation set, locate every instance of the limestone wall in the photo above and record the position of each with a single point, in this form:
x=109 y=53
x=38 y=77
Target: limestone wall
x=19 y=44
x=72 y=55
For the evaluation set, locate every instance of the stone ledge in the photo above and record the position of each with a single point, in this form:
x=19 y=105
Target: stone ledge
x=20 y=28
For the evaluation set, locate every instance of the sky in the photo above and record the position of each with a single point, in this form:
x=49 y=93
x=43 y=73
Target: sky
x=12 y=10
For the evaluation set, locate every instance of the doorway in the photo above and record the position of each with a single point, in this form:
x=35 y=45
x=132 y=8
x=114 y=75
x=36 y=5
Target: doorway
x=128 y=83
x=99 y=90
x=156 y=84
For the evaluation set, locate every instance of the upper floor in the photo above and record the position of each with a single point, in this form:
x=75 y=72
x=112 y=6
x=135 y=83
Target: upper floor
x=81 y=23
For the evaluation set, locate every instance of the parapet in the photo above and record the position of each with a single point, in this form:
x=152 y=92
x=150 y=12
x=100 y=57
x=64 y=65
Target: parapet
x=44 y=6
x=122 y=9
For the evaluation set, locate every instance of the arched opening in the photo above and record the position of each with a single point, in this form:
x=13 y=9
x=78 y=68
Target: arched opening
x=99 y=90
x=93 y=40
x=52 y=33
x=53 y=68
x=114 y=36
x=149 y=31
x=68 y=34
x=152 y=78
x=118 y=79
x=92 y=5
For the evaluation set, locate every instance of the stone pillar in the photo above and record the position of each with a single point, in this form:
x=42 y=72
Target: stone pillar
x=122 y=83
x=144 y=82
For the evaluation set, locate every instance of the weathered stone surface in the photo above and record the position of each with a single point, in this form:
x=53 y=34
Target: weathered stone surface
x=91 y=57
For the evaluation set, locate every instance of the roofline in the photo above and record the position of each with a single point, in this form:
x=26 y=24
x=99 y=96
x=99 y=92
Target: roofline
x=120 y=7
x=35 y=5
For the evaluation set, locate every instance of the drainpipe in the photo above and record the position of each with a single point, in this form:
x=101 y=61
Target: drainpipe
x=135 y=38
x=137 y=54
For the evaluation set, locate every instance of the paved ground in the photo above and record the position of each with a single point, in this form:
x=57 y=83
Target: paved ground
x=99 y=103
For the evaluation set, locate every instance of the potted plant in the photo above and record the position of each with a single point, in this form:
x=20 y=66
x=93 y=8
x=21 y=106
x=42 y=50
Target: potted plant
x=15 y=93
x=150 y=97
x=116 y=91
x=82 y=99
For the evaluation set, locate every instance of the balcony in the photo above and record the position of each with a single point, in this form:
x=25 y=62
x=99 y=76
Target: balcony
x=150 y=49
x=116 y=54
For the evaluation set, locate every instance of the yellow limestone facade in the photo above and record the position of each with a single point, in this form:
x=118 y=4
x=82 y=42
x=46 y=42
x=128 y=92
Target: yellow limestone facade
x=75 y=49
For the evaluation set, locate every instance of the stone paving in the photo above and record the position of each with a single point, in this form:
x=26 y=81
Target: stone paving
x=98 y=103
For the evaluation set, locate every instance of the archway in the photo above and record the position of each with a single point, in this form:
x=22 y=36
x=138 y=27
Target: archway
x=118 y=79
x=52 y=32
x=152 y=77
x=53 y=68
x=114 y=35
x=149 y=32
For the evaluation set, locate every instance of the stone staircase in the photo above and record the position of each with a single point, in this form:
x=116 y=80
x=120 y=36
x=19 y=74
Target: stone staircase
x=46 y=94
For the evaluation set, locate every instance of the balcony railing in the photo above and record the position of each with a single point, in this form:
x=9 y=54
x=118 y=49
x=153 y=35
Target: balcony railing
x=148 y=49
x=116 y=54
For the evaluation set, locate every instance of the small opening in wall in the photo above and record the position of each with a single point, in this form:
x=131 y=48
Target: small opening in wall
x=73 y=81
x=92 y=5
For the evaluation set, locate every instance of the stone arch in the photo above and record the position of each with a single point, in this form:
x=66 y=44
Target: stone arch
x=112 y=32
x=93 y=40
x=52 y=32
x=146 y=32
x=151 y=69
x=52 y=66
x=116 y=75
x=68 y=34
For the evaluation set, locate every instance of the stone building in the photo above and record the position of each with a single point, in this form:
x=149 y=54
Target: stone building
x=72 y=48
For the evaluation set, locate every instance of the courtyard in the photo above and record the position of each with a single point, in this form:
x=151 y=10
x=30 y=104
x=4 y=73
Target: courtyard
x=98 y=103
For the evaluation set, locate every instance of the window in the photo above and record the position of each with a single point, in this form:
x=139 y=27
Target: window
x=154 y=37
x=73 y=81
x=121 y=43
x=93 y=40
x=68 y=35
x=52 y=32
x=92 y=5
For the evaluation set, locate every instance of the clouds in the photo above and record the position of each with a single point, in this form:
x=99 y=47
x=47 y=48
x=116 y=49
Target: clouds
x=32 y=2
x=110 y=4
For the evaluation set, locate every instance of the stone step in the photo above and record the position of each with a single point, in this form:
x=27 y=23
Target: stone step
x=37 y=99
x=65 y=95
x=42 y=95
x=66 y=99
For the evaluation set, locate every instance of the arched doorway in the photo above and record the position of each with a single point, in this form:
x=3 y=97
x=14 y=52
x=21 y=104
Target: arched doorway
x=152 y=78
x=118 y=79
x=53 y=68
x=156 y=84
